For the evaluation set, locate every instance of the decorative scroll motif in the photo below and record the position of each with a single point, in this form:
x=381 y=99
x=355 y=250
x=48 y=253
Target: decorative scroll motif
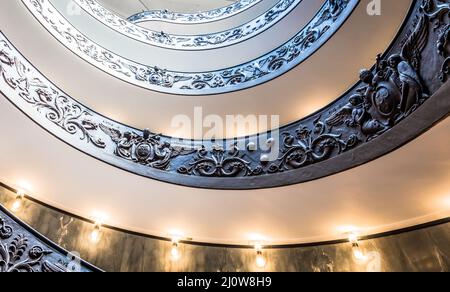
x=5 y=230
x=319 y=30
x=309 y=146
x=189 y=42
x=220 y=163
x=147 y=149
x=23 y=254
x=388 y=96
x=47 y=100
x=398 y=85
x=194 y=18
x=437 y=13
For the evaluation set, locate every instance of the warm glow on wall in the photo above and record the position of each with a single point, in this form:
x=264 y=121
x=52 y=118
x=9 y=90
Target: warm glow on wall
x=358 y=254
x=175 y=253
x=353 y=237
x=96 y=233
x=260 y=259
x=446 y=202
x=347 y=229
x=256 y=238
x=17 y=205
x=24 y=185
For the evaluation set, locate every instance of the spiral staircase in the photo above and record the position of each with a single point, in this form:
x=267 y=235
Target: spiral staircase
x=111 y=147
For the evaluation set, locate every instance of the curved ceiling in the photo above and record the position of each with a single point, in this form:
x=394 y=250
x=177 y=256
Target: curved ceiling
x=305 y=89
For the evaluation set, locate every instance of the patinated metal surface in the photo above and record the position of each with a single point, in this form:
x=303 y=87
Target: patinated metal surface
x=23 y=250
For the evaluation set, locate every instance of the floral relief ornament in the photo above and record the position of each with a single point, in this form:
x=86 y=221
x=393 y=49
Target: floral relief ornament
x=18 y=256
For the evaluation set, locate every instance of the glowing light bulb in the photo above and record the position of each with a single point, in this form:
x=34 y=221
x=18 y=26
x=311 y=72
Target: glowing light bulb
x=17 y=205
x=260 y=260
x=358 y=254
x=96 y=233
x=353 y=238
x=175 y=252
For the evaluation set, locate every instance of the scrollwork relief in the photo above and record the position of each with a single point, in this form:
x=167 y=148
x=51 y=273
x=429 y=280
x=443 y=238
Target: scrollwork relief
x=309 y=146
x=390 y=93
x=19 y=252
x=189 y=42
x=5 y=230
x=46 y=99
x=146 y=149
x=220 y=163
x=439 y=13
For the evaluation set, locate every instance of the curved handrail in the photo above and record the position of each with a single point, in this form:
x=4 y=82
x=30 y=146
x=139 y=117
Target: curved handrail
x=190 y=42
x=35 y=253
x=399 y=91
x=274 y=64
x=194 y=18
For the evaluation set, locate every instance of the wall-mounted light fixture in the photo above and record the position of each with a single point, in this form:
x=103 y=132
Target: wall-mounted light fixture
x=96 y=232
x=358 y=254
x=175 y=254
x=17 y=205
x=261 y=261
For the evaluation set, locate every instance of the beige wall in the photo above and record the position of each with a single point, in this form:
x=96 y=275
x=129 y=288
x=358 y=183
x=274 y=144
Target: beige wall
x=421 y=250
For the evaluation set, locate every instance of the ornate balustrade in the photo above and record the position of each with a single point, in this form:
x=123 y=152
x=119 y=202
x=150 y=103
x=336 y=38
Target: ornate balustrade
x=24 y=250
x=319 y=30
x=190 y=42
x=194 y=18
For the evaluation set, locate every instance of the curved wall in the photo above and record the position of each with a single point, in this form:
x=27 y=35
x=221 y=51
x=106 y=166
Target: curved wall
x=421 y=248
